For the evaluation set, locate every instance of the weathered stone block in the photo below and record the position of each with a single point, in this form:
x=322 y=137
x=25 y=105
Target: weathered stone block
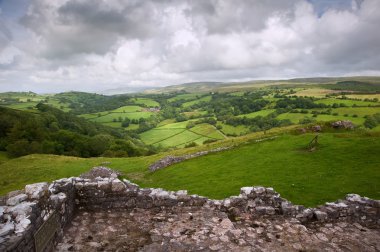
x=118 y=186
x=265 y=210
x=17 y=199
x=321 y=216
x=36 y=191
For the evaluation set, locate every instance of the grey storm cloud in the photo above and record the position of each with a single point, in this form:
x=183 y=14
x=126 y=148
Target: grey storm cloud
x=97 y=45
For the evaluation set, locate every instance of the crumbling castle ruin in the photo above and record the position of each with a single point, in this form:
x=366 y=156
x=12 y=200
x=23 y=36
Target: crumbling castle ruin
x=100 y=212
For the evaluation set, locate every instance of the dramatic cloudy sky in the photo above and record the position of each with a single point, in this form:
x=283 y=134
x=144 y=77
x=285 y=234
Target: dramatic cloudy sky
x=94 y=45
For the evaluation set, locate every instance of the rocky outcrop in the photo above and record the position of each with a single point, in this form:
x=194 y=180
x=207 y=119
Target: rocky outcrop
x=165 y=220
x=343 y=125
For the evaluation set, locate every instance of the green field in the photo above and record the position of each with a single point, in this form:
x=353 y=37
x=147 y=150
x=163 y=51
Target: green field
x=23 y=105
x=364 y=96
x=264 y=112
x=192 y=96
x=145 y=101
x=176 y=134
x=350 y=103
x=314 y=92
x=231 y=130
x=207 y=130
x=191 y=103
x=341 y=165
x=296 y=117
x=358 y=111
x=344 y=163
x=154 y=136
x=108 y=117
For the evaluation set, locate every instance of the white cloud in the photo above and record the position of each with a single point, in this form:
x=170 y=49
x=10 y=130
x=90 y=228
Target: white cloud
x=92 y=46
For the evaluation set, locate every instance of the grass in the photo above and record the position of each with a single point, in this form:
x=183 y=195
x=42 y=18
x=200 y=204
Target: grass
x=165 y=122
x=176 y=135
x=191 y=103
x=23 y=105
x=184 y=97
x=264 y=112
x=156 y=135
x=208 y=130
x=364 y=96
x=195 y=113
x=127 y=109
x=3 y=157
x=362 y=111
x=177 y=125
x=180 y=139
x=38 y=168
x=331 y=101
x=314 y=92
x=350 y=111
x=231 y=130
x=344 y=163
x=146 y=101
x=111 y=116
x=341 y=165
x=107 y=117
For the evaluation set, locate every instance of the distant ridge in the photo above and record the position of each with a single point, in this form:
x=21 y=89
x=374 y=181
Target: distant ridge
x=209 y=86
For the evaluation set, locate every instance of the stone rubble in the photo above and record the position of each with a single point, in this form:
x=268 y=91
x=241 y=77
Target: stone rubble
x=117 y=215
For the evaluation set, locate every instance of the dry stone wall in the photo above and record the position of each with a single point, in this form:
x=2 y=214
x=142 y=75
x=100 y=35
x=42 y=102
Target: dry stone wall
x=25 y=211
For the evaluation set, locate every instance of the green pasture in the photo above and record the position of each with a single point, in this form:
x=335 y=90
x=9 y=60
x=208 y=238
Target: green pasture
x=191 y=96
x=176 y=134
x=156 y=135
x=314 y=92
x=207 y=130
x=364 y=96
x=127 y=109
x=296 y=117
x=350 y=103
x=263 y=113
x=362 y=111
x=145 y=101
x=191 y=103
x=342 y=164
x=231 y=130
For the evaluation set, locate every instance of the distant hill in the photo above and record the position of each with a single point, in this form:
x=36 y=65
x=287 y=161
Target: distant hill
x=204 y=87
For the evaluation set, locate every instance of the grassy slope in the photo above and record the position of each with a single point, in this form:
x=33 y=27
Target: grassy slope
x=176 y=134
x=331 y=101
x=146 y=101
x=191 y=103
x=345 y=163
x=340 y=166
x=264 y=112
x=228 y=129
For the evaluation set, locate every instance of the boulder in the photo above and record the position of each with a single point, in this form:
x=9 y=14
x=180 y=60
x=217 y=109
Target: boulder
x=36 y=191
x=343 y=125
x=17 y=199
x=118 y=186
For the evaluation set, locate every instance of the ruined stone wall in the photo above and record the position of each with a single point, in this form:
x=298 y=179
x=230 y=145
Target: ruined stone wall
x=26 y=210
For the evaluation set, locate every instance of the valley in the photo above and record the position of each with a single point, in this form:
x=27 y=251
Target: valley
x=135 y=130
